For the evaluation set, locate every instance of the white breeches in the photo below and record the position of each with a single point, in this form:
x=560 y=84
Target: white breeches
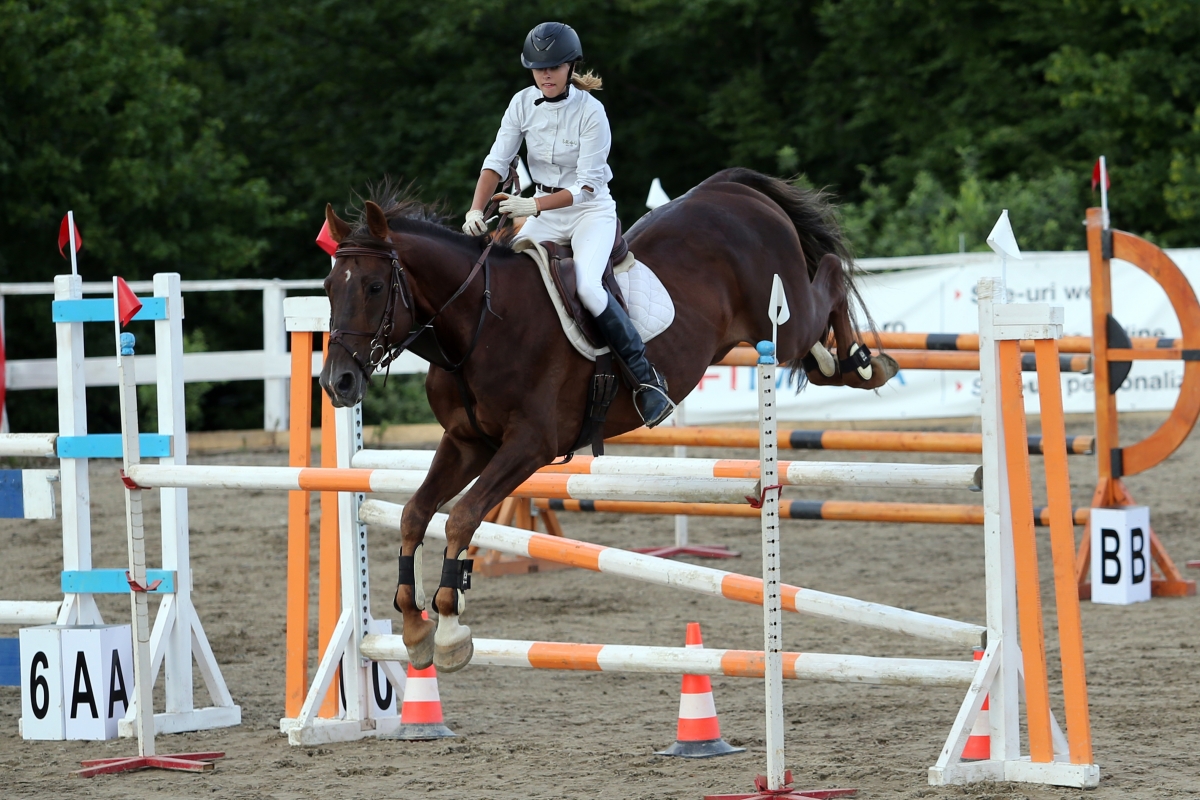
x=590 y=229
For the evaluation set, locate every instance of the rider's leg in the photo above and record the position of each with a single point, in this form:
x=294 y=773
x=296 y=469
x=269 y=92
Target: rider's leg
x=592 y=242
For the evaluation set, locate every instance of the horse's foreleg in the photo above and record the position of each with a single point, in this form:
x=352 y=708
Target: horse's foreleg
x=514 y=462
x=454 y=465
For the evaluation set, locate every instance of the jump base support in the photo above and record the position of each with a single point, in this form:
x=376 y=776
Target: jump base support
x=1057 y=773
x=328 y=731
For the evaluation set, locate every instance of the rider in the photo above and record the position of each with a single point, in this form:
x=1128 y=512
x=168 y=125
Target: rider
x=567 y=142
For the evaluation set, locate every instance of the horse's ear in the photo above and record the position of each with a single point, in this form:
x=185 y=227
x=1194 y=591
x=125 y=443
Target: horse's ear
x=377 y=222
x=338 y=228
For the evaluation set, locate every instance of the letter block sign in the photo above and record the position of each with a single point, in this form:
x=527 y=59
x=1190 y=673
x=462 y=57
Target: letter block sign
x=76 y=682
x=41 y=683
x=1120 y=555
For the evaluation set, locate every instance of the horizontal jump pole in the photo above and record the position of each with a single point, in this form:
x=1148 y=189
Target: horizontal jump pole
x=692 y=577
x=699 y=661
x=28 y=445
x=832 y=510
x=970 y=341
x=932 y=359
x=867 y=441
x=29 y=612
x=794 y=473
x=591 y=487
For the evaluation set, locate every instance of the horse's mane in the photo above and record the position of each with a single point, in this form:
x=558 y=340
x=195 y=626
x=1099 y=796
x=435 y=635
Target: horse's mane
x=406 y=213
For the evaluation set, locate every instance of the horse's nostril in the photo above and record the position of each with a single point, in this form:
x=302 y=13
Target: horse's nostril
x=345 y=382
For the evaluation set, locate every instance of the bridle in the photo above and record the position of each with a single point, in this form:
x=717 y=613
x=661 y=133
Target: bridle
x=381 y=354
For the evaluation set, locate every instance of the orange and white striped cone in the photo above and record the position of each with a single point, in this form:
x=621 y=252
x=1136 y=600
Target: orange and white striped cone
x=979 y=743
x=421 y=712
x=699 y=731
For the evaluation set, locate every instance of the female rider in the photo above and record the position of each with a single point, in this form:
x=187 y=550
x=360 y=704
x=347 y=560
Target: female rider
x=567 y=141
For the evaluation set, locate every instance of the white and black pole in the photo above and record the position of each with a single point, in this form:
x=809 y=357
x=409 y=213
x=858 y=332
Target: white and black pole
x=768 y=445
x=772 y=608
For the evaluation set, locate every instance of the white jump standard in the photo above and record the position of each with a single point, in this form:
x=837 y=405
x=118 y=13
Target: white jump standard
x=177 y=635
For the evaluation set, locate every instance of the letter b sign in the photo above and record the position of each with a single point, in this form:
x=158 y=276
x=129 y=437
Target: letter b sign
x=1120 y=539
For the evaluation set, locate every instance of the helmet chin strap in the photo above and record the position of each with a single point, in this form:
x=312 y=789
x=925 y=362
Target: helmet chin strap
x=565 y=92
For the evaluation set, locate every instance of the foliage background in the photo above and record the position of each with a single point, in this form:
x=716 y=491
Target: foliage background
x=205 y=136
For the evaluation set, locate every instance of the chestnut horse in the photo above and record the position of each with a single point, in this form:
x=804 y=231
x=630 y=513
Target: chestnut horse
x=508 y=387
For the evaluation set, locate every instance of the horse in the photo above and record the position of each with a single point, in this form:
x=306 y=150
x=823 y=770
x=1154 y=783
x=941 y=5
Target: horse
x=505 y=383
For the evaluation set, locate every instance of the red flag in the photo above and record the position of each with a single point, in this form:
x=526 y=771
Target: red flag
x=325 y=239
x=127 y=302
x=64 y=234
x=1096 y=177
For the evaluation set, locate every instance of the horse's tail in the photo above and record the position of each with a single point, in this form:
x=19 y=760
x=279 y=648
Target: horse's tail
x=815 y=218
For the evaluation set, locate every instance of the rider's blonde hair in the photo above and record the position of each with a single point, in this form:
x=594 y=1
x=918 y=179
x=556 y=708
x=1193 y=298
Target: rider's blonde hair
x=587 y=81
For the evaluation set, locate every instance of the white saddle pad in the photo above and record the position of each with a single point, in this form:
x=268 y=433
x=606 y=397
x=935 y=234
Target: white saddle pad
x=650 y=307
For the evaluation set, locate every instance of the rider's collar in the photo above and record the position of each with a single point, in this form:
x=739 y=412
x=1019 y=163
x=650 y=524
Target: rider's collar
x=559 y=99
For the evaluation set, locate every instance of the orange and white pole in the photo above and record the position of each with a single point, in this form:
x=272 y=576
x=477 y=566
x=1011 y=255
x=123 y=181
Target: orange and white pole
x=689 y=577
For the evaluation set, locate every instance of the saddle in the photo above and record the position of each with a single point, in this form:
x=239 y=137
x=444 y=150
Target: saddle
x=562 y=269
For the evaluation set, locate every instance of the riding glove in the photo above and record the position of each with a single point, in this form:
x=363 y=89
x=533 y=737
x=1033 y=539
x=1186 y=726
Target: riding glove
x=475 y=225
x=518 y=206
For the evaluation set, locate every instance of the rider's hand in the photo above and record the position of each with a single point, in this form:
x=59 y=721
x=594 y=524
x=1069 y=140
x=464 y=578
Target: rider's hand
x=475 y=225
x=517 y=206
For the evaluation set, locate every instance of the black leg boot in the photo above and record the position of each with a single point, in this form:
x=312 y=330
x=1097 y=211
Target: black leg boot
x=650 y=396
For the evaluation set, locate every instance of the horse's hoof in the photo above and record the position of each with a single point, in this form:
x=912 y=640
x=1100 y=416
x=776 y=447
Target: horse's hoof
x=825 y=360
x=884 y=368
x=453 y=646
x=421 y=655
x=420 y=651
x=452 y=659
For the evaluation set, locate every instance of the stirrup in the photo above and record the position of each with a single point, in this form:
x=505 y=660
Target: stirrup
x=660 y=386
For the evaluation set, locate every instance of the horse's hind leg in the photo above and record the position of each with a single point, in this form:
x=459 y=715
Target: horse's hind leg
x=515 y=461
x=454 y=465
x=830 y=281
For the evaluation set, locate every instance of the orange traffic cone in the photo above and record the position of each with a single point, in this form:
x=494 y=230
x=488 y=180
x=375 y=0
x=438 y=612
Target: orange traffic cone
x=979 y=743
x=421 y=713
x=699 y=731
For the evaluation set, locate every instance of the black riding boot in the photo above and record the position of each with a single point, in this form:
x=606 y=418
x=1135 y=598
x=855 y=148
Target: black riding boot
x=650 y=396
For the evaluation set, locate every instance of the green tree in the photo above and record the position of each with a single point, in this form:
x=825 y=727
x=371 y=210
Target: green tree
x=94 y=117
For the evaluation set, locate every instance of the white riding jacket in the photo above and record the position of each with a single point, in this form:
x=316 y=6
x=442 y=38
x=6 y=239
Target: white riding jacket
x=567 y=143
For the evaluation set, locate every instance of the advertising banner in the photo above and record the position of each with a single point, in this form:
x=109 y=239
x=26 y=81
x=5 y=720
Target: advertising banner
x=936 y=294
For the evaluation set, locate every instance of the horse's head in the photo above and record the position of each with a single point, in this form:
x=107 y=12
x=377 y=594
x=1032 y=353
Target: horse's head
x=370 y=305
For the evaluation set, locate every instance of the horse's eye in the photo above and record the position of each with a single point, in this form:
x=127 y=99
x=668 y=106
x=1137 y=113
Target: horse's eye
x=374 y=289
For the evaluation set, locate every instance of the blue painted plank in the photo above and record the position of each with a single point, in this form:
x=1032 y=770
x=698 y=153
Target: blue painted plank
x=112 y=581
x=10 y=662
x=108 y=445
x=101 y=310
x=12 y=495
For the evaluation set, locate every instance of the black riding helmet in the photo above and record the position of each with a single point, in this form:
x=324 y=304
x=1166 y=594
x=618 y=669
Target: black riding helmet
x=551 y=44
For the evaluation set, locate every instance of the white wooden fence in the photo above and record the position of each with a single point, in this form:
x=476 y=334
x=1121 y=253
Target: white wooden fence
x=271 y=364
